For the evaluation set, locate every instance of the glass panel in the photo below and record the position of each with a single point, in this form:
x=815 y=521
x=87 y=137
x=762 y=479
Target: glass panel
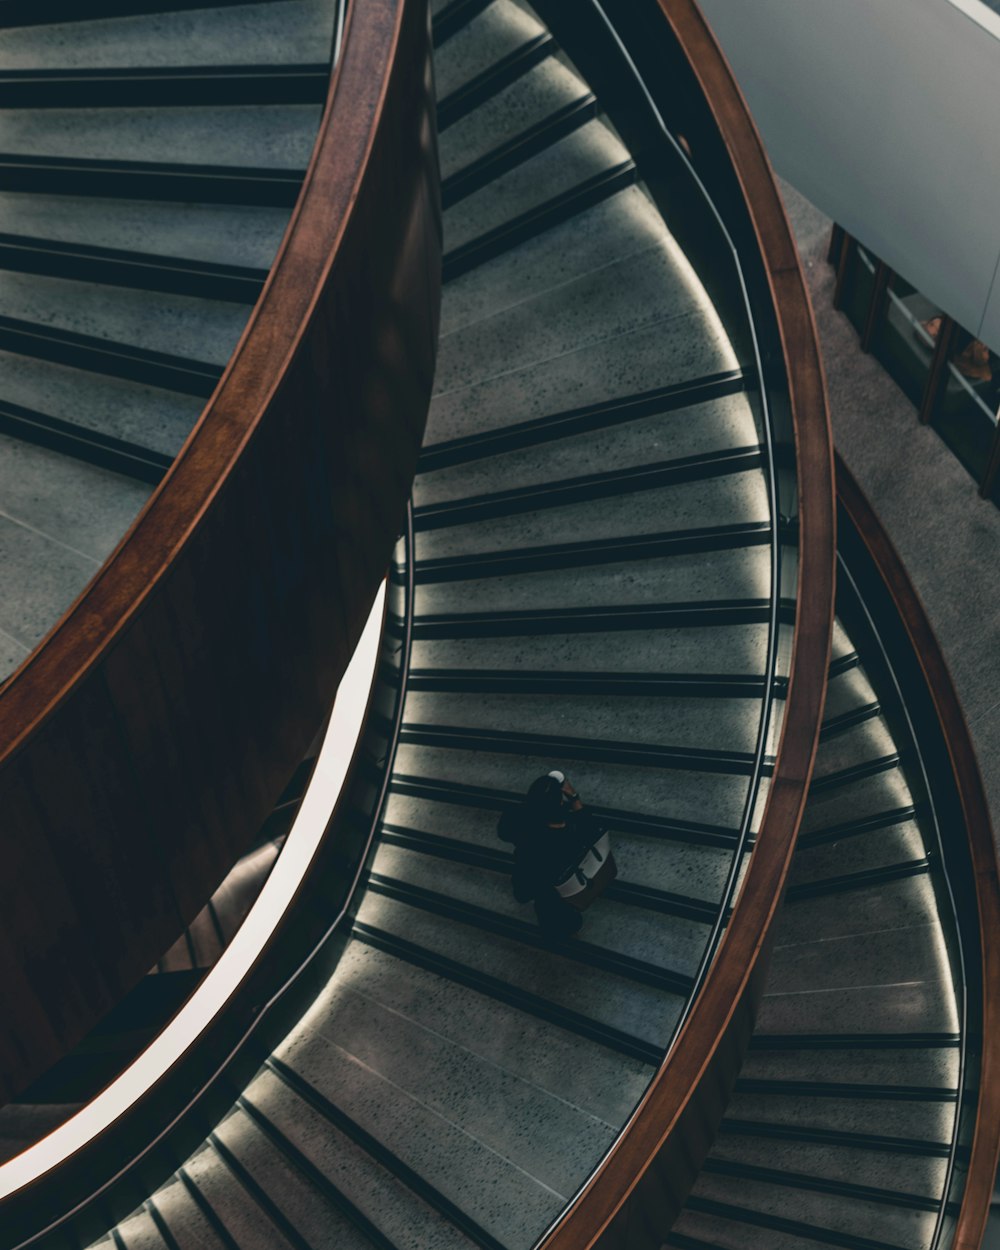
x=966 y=411
x=859 y=283
x=905 y=339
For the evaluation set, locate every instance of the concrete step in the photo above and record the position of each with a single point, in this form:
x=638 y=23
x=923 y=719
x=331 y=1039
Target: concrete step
x=636 y=1009
x=220 y=234
x=664 y=793
x=269 y=136
x=498 y=1194
x=294 y=32
x=694 y=871
x=705 y=724
x=669 y=942
x=501 y=29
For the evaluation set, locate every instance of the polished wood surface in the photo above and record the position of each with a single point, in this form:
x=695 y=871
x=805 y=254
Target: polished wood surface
x=147 y=737
x=985 y=1152
x=634 y=1196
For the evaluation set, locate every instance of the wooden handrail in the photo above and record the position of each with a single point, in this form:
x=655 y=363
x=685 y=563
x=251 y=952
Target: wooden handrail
x=632 y=1199
x=146 y=738
x=981 y=1171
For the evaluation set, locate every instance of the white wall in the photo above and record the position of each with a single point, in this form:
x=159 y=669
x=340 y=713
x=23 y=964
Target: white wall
x=886 y=114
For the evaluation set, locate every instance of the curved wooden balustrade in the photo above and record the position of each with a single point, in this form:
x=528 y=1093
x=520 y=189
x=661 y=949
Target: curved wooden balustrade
x=146 y=738
x=633 y=1198
x=981 y=1167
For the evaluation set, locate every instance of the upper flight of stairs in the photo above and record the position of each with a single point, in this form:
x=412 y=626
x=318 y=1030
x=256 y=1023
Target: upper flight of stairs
x=148 y=165
x=592 y=589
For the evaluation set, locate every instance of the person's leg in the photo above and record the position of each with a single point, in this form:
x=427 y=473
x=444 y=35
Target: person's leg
x=556 y=918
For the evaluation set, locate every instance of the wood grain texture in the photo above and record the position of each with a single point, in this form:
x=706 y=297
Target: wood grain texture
x=633 y=1198
x=985 y=1153
x=147 y=737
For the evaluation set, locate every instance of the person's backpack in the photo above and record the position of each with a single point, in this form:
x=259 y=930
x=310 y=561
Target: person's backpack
x=590 y=876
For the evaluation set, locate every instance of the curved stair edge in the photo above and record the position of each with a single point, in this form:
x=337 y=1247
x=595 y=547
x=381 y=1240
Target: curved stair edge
x=264 y=641
x=984 y=1154
x=638 y=1190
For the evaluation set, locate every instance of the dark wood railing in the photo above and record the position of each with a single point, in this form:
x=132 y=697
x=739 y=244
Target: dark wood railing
x=632 y=1199
x=148 y=736
x=974 y=883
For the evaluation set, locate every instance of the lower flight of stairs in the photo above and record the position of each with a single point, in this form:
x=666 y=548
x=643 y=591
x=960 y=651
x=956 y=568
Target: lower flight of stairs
x=842 y=1126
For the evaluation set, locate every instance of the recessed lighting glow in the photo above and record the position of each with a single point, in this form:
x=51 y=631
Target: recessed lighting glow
x=221 y=981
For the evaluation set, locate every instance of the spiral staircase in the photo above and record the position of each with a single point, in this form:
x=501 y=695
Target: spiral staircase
x=618 y=559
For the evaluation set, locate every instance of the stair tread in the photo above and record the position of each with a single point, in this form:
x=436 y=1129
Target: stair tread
x=733 y=649
x=601 y=1082
x=701 y=724
x=698 y=429
x=670 y=942
x=656 y=863
x=240 y=1216
x=735 y=499
x=869 y=796
x=650 y=286
x=695 y=1229
x=399 y=1213
x=672 y=794
x=552 y=1140
x=117 y=407
x=267 y=136
x=314 y=1218
x=49 y=576
x=80 y=505
x=640 y=1010
x=879 y=1168
x=895 y=1225
x=619 y=226
x=184 y=1219
x=177 y=325
x=870 y=740
x=690 y=577
x=586 y=152
x=217 y=234
x=499 y=30
x=533 y=98
x=296 y=32
x=501 y=1197
x=139 y=1232
x=680 y=349
x=893 y=844
x=929 y=1121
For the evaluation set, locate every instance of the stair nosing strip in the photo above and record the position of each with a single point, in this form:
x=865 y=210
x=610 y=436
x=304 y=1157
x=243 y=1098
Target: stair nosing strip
x=614 y=483
x=442 y=847
x=382 y=1154
x=465 y=795
x=522 y=1000
x=495 y=78
x=819 y=1184
x=535 y=221
x=626 y=967
x=589 y=417
x=314 y=1174
x=257 y=1194
x=780 y=1224
x=601 y=551
x=521 y=147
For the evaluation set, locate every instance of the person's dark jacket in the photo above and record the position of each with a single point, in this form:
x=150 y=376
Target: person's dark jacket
x=542 y=855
